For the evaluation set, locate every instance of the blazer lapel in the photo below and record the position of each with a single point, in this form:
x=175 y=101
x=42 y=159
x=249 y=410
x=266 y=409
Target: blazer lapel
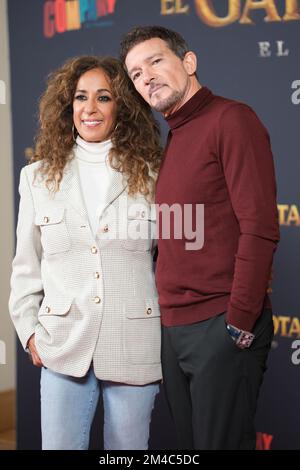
x=118 y=186
x=72 y=189
x=73 y=193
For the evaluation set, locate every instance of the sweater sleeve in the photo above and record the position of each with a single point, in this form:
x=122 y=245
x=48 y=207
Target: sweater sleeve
x=246 y=157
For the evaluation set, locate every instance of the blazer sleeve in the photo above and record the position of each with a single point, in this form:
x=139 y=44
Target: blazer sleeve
x=26 y=282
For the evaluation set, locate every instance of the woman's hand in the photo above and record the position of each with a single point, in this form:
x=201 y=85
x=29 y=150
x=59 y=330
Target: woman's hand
x=36 y=360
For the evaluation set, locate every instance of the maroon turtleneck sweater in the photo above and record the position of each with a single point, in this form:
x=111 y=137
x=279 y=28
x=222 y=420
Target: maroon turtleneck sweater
x=218 y=154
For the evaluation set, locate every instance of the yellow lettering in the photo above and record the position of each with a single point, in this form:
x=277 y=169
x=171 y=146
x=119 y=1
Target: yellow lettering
x=165 y=9
x=206 y=12
x=268 y=5
x=29 y=152
x=177 y=7
x=283 y=323
x=276 y=324
x=295 y=327
x=181 y=8
x=291 y=10
x=73 y=15
x=282 y=208
x=293 y=215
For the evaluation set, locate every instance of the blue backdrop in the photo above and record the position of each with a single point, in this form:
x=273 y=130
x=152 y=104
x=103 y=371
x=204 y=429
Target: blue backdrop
x=247 y=50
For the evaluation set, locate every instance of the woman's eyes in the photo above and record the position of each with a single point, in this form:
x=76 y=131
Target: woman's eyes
x=102 y=98
x=80 y=97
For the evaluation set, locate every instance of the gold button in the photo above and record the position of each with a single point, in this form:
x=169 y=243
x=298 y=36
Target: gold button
x=97 y=300
x=46 y=220
x=105 y=228
x=96 y=275
x=149 y=311
x=48 y=309
x=94 y=250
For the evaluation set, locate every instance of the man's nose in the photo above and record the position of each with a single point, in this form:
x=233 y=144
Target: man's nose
x=148 y=76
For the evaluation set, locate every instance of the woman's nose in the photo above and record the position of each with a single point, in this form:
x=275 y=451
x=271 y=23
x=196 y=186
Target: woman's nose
x=90 y=106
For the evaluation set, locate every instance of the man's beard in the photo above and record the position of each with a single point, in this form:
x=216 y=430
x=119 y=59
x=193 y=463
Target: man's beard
x=168 y=103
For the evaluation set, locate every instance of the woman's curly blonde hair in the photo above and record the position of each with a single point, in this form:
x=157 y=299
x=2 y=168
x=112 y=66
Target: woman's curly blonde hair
x=136 y=150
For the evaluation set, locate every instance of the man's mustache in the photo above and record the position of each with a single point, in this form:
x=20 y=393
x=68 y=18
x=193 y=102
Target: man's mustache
x=153 y=87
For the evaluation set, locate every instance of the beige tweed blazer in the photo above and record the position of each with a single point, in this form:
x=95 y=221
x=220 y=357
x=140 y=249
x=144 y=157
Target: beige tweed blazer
x=87 y=299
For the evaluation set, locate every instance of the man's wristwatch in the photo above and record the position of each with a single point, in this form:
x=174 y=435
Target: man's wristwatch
x=243 y=339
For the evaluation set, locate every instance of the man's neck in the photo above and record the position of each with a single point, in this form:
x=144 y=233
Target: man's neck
x=192 y=89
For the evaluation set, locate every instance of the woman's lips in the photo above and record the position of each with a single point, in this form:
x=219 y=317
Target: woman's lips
x=91 y=123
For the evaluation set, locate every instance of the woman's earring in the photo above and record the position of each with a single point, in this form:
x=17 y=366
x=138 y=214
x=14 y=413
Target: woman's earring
x=73 y=132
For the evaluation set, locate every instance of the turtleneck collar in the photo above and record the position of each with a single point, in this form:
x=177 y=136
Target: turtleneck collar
x=92 y=152
x=190 y=108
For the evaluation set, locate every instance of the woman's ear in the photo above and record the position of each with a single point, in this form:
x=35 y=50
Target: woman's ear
x=190 y=62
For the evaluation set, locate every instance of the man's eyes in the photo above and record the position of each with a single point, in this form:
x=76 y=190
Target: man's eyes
x=135 y=76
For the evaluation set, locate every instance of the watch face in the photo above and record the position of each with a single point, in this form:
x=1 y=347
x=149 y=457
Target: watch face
x=245 y=340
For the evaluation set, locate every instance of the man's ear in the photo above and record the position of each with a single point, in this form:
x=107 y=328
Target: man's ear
x=190 y=62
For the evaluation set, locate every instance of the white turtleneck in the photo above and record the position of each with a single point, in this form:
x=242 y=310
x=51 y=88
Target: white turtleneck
x=95 y=175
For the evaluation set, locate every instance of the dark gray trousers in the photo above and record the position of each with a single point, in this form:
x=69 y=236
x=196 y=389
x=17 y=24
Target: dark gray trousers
x=211 y=385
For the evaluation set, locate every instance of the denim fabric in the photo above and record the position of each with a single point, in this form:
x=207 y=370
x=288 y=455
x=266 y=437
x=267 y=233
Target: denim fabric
x=68 y=405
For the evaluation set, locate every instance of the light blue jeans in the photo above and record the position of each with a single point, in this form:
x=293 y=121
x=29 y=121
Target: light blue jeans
x=68 y=406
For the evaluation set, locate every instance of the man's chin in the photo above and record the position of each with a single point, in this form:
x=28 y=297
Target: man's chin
x=165 y=105
x=160 y=105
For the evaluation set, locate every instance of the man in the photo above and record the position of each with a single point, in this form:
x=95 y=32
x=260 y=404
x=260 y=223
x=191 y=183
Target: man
x=216 y=317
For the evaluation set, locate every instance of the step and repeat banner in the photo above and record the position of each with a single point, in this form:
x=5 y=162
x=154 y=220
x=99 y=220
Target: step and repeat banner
x=247 y=50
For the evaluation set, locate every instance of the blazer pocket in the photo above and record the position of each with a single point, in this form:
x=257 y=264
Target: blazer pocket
x=54 y=233
x=55 y=324
x=55 y=306
x=142 y=338
x=141 y=228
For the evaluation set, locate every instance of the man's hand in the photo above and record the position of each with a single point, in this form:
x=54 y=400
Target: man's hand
x=36 y=360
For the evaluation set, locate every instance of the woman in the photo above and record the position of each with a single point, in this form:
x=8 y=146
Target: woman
x=83 y=296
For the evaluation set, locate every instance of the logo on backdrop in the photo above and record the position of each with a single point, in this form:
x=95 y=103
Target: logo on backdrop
x=61 y=16
x=236 y=11
x=288 y=215
x=263 y=441
x=286 y=327
x=267 y=49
